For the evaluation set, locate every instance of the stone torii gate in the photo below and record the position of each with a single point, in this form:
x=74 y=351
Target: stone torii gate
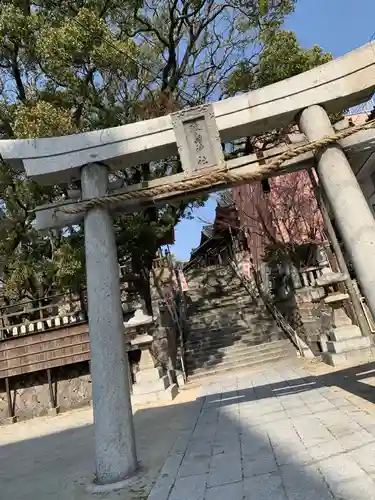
x=196 y=134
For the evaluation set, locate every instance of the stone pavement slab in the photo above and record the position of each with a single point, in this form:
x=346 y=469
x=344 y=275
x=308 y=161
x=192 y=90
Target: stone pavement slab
x=279 y=434
x=232 y=491
x=52 y=457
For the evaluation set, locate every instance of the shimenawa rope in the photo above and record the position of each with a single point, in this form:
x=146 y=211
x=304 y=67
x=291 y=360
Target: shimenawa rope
x=216 y=177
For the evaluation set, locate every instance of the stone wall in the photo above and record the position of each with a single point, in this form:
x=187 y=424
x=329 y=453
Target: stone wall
x=31 y=397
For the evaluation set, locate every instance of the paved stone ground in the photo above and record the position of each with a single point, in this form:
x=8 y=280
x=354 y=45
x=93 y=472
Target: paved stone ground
x=302 y=431
x=51 y=458
x=280 y=434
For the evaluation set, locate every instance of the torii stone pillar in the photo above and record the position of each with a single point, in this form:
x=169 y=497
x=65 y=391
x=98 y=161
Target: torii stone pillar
x=352 y=213
x=115 y=452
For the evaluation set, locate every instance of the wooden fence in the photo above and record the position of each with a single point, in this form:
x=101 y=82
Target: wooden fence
x=45 y=350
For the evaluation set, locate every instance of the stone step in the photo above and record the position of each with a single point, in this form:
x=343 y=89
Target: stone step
x=200 y=328
x=227 y=337
x=349 y=344
x=194 y=357
x=349 y=358
x=206 y=331
x=221 y=317
x=152 y=386
x=221 y=347
x=239 y=306
x=218 y=358
x=209 y=326
x=215 y=281
x=210 y=376
x=220 y=320
x=227 y=299
x=345 y=333
x=204 y=336
x=154 y=397
x=246 y=340
x=227 y=309
x=235 y=366
x=216 y=302
x=145 y=376
x=237 y=359
x=212 y=278
x=205 y=295
x=212 y=273
x=239 y=347
x=230 y=314
x=211 y=287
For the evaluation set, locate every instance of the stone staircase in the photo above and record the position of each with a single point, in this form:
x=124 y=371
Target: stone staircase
x=228 y=329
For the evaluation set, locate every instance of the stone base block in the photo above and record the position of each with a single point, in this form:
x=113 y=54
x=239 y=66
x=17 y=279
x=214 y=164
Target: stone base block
x=180 y=380
x=10 y=420
x=339 y=317
x=153 y=386
x=149 y=375
x=147 y=361
x=323 y=342
x=154 y=397
x=350 y=358
x=53 y=412
x=345 y=333
x=307 y=353
x=349 y=345
x=171 y=392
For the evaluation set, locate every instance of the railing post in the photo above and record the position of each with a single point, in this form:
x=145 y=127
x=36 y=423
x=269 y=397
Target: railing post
x=305 y=279
x=52 y=395
x=11 y=417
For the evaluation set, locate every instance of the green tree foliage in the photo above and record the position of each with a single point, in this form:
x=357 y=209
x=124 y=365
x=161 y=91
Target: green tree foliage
x=68 y=66
x=280 y=57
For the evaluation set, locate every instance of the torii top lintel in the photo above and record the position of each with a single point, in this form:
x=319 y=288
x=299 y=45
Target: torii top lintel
x=337 y=85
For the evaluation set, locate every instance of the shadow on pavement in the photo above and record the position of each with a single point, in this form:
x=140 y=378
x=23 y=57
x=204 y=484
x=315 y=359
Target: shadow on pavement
x=253 y=442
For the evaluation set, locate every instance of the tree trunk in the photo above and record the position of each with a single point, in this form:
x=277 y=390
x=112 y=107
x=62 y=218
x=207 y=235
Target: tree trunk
x=145 y=293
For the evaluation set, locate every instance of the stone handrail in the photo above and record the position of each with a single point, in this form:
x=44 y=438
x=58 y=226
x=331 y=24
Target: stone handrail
x=42 y=325
x=21 y=319
x=309 y=275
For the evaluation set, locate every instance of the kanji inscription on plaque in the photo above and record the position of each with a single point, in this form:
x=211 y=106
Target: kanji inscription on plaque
x=197 y=138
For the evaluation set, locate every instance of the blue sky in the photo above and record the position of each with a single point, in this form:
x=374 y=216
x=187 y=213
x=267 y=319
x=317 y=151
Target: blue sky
x=338 y=26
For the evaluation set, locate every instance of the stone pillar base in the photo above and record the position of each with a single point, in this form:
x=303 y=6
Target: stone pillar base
x=53 y=412
x=323 y=342
x=152 y=385
x=10 y=420
x=349 y=358
x=180 y=380
x=346 y=346
x=95 y=488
